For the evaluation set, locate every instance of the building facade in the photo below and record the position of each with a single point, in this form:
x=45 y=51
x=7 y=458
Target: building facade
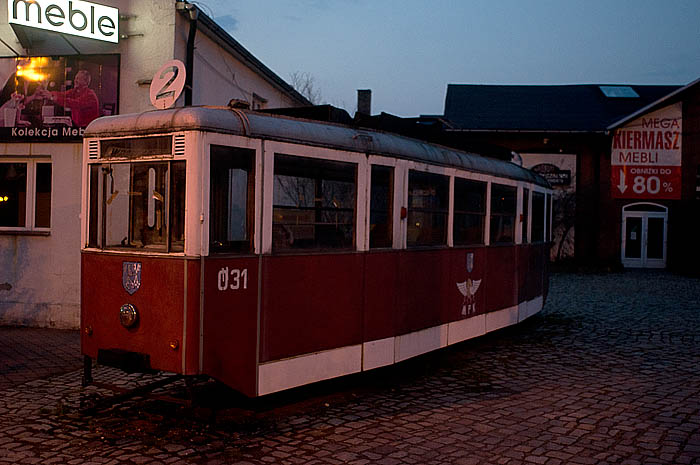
x=582 y=138
x=62 y=65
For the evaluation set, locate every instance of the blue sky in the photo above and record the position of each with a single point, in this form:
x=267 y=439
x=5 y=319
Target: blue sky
x=407 y=51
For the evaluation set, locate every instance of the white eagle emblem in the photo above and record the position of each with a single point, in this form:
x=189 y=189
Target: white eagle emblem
x=468 y=288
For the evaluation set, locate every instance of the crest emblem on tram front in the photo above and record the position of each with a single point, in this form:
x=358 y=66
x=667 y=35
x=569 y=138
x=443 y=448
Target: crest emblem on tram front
x=131 y=276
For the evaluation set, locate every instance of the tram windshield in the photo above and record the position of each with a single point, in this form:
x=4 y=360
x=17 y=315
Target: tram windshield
x=138 y=205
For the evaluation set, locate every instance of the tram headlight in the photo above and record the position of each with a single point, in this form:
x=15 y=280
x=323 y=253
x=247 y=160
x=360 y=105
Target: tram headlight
x=128 y=316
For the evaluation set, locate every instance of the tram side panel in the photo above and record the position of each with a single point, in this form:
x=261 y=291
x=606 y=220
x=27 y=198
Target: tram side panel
x=381 y=276
x=310 y=303
x=230 y=321
x=157 y=289
x=422 y=291
x=501 y=287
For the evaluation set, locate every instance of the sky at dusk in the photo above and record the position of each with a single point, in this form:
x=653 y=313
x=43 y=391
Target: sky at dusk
x=407 y=51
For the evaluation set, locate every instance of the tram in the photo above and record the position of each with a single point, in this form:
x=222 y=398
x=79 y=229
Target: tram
x=271 y=252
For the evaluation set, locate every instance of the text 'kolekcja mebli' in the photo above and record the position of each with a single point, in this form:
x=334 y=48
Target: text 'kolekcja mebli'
x=84 y=19
x=646 y=156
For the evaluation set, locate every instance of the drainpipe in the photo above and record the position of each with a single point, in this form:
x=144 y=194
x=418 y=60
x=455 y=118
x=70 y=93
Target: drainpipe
x=192 y=14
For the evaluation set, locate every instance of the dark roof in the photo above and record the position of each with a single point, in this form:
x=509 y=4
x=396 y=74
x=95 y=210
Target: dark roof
x=562 y=108
x=669 y=99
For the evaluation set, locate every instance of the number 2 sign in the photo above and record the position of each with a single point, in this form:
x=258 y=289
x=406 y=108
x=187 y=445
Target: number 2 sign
x=167 y=84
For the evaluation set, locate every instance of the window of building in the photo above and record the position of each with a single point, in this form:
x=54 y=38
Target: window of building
x=428 y=198
x=259 y=103
x=25 y=195
x=538 y=217
x=314 y=204
x=380 y=207
x=469 y=212
x=232 y=200
x=503 y=210
x=526 y=205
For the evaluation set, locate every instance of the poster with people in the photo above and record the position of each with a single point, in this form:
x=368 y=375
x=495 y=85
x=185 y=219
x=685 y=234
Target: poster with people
x=55 y=98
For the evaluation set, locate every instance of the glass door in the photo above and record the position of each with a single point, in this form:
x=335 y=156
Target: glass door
x=644 y=236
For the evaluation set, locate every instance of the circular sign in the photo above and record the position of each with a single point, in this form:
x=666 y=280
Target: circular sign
x=167 y=84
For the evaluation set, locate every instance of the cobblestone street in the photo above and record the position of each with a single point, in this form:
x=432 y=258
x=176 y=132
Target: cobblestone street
x=608 y=373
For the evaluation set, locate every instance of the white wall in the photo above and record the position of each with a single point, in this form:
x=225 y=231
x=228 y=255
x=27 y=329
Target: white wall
x=44 y=271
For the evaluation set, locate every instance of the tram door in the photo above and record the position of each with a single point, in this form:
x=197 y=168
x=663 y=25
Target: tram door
x=644 y=236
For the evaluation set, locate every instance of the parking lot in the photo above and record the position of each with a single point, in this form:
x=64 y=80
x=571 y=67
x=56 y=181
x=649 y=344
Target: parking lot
x=608 y=373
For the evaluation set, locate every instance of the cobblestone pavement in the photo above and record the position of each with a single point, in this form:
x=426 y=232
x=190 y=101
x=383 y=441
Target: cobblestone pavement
x=608 y=373
x=33 y=353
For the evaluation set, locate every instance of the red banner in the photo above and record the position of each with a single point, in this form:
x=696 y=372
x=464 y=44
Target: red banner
x=646 y=156
x=644 y=182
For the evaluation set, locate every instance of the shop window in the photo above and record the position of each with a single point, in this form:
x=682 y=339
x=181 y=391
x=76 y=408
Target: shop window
x=526 y=205
x=469 y=212
x=538 y=217
x=313 y=204
x=25 y=195
x=232 y=200
x=503 y=210
x=380 y=207
x=428 y=197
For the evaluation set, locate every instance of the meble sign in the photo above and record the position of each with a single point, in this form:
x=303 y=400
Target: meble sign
x=75 y=17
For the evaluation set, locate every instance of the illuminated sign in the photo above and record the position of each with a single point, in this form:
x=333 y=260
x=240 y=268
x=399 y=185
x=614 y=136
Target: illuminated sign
x=75 y=17
x=55 y=98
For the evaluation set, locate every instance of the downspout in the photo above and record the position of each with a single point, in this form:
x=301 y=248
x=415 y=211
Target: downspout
x=192 y=14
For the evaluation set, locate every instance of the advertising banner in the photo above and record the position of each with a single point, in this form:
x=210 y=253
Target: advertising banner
x=53 y=99
x=646 y=156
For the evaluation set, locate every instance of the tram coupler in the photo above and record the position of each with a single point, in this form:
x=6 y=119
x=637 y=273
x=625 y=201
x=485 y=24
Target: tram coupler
x=87 y=371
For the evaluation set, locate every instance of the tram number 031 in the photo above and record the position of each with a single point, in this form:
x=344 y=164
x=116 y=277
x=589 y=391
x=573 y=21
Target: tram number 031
x=233 y=279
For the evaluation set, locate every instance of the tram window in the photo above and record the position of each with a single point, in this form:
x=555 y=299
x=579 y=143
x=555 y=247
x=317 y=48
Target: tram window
x=132 y=205
x=380 y=208
x=537 y=217
x=503 y=209
x=95 y=215
x=313 y=204
x=428 y=197
x=469 y=212
x=232 y=201
x=136 y=147
x=526 y=201
x=549 y=217
x=177 y=206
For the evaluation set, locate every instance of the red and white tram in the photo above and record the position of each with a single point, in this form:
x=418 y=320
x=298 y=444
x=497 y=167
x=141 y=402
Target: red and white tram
x=269 y=252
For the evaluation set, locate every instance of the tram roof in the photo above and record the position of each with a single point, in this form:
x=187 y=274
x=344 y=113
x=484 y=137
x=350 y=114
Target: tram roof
x=301 y=131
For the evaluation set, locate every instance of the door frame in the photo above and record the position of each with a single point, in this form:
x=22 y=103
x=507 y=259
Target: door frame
x=655 y=211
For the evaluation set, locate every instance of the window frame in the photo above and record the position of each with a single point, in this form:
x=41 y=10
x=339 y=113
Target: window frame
x=454 y=212
x=430 y=171
x=317 y=207
x=251 y=200
x=100 y=240
x=30 y=205
x=492 y=215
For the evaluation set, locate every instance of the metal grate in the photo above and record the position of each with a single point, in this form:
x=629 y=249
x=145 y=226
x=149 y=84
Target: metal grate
x=94 y=150
x=179 y=145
